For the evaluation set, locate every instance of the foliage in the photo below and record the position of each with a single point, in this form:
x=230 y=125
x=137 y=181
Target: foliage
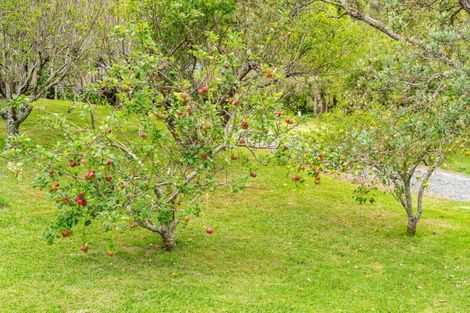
x=417 y=115
x=196 y=106
x=364 y=193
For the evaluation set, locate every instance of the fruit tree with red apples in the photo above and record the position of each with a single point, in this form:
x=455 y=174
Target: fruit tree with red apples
x=199 y=100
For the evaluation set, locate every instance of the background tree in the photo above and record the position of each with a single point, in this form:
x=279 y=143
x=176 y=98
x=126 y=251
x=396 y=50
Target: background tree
x=412 y=101
x=411 y=117
x=325 y=48
x=34 y=54
x=438 y=29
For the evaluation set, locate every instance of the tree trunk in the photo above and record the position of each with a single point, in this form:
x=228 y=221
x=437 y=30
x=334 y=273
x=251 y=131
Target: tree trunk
x=317 y=102
x=168 y=234
x=13 y=128
x=13 y=118
x=412 y=223
x=465 y=4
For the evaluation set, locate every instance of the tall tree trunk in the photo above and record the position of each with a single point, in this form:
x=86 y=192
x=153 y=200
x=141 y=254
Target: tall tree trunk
x=408 y=204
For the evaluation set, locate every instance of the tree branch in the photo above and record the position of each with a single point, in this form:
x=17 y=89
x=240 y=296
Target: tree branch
x=423 y=185
x=360 y=15
x=465 y=4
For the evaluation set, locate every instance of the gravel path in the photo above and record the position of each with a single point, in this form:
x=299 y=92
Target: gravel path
x=449 y=185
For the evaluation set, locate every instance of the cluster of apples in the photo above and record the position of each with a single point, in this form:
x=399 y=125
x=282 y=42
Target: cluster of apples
x=90 y=175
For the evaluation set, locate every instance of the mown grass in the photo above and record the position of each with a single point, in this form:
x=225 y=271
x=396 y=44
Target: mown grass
x=459 y=162
x=38 y=131
x=276 y=248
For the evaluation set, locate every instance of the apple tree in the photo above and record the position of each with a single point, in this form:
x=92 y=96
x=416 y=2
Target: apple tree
x=199 y=96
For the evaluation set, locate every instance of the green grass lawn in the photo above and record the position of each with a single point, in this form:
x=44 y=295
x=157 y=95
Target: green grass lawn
x=459 y=162
x=35 y=128
x=275 y=248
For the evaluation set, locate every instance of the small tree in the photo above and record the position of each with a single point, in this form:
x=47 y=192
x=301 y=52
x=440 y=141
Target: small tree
x=41 y=41
x=413 y=115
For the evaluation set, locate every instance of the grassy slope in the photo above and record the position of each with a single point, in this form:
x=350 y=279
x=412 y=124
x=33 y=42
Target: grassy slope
x=33 y=126
x=276 y=248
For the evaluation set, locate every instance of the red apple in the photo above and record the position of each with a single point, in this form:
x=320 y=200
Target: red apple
x=110 y=253
x=80 y=199
x=90 y=175
x=73 y=164
x=133 y=224
x=296 y=178
x=83 y=161
x=186 y=219
x=203 y=156
x=65 y=233
x=184 y=97
x=242 y=141
x=244 y=124
x=278 y=113
x=234 y=157
x=55 y=186
x=289 y=120
x=84 y=248
x=206 y=126
x=253 y=174
x=235 y=102
x=142 y=134
x=321 y=155
x=110 y=162
x=109 y=178
x=203 y=90
x=109 y=130
x=209 y=230
x=50 y=172
x=268 y=74
x=317 y=171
